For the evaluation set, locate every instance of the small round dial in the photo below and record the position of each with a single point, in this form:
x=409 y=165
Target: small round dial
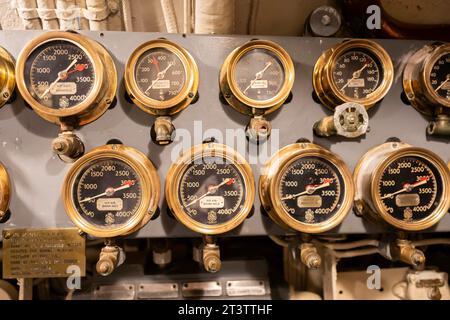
x=410 y=188
x=212 y=191
x=311 y=189
x=357 y=74
x=160 y=74
x=59 y=74
x=440 y=76
x=107 y=192
x=259 y=74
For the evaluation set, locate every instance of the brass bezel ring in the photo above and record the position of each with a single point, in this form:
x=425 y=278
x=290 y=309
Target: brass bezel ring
x=91 y=48
x=7 y=76
x=150 y=190
x=440 y=210
x=176 y=171
x=429 y=62
x=5 y=189
x=270 y=180
x=175 y=104
x=228 y=82
x=323 y=82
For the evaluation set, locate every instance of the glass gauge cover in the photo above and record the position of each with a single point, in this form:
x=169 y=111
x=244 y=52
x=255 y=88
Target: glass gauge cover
x=161 y=77
x=439 y=77
x=357 y=74
x=306 y=188
x=259 y=74
x=409 y=190
x=160 y=74
x=63 y=75
x=356 y=70
x=60 y=74
x=311 y=189
x=210 y=193
x=257 y=77
x=111 y=191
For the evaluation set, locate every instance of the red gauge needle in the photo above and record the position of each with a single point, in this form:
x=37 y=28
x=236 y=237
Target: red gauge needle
x=212 y=189
x=110 y=191
x=78 y=67
x=310 y=189
x=155 y=63
x=407 y=187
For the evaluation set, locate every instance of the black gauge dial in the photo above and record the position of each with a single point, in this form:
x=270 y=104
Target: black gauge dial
x=410 y=188
x=259 y=74
x=107 y=192
x=357 y=74
x=160 y=74
x=311 y=189
x=440 y=76
x=212 y=191
x=59 y=74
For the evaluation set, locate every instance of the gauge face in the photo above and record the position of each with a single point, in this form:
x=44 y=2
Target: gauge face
x=160 y=74
x=59 y=74
x=212 y=191
x=107 y=192
x=440 y=76
x=311 y=189
x=357 y=74
x=259 y=74
x=410 y=188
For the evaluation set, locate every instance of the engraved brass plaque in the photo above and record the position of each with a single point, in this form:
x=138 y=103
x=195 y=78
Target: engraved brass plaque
x=43 y=253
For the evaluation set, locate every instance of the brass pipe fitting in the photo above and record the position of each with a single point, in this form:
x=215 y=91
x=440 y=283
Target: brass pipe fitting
x=405 y=251
x=211 y=255
x=258 y=129
x=111 y=257
x=68 y=146
x=309 y=256
x=440 y=126
x=163 y=130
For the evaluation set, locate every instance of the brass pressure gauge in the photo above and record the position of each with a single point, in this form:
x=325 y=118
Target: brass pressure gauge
x=406 y=187
x=5 y=191
x=426 y=84
x=210 y=188
x=356 y=70
x=67 y=79
x=7 y=76
x=306 y=188
x=111 y=191
x=256 y=79
x=162 y=79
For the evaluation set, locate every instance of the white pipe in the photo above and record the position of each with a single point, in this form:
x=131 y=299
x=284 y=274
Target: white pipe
x=187 y=6
x=46 y=10
x=126 y=12
x=169 y=16
x=97 y=7
x=349 y=245
x=28 y=13
x=83 y=22
x=214 y=16
x=429 y=242
x=354 y=253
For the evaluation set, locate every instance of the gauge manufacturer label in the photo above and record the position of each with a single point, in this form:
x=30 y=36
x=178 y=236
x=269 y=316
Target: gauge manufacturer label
x=43 y=253
x=212 y=202
x=161 y=84
x=259 y=84
x=407 y=200
x=356 y=83
x=109 y=204
x=309 y=202
x=64 y=88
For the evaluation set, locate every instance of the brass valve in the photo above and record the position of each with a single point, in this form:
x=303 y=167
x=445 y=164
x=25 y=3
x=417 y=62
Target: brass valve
x=405 y=251
x=309 y=256
x=349 y=120
x=68 y=146
x=163 y=130
x=110 y=258
x=258 y=129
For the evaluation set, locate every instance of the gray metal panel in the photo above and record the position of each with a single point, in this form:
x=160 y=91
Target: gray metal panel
x=37 y=175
